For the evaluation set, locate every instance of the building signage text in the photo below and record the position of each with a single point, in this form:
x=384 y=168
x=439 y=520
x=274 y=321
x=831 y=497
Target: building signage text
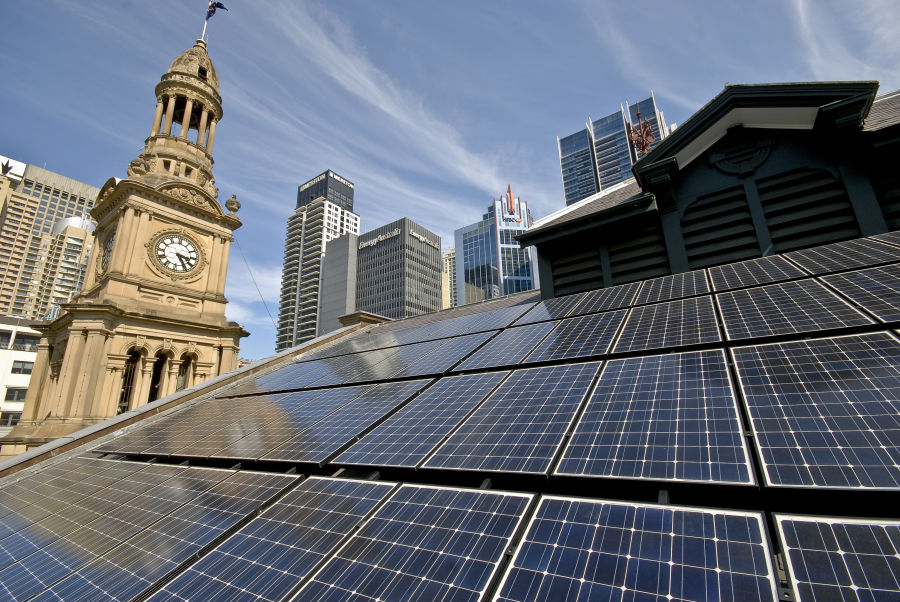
x=421 y=238
x=379 y=238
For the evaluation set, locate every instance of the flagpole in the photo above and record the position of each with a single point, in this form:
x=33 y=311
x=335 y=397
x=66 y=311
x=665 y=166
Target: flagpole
x=206 y=22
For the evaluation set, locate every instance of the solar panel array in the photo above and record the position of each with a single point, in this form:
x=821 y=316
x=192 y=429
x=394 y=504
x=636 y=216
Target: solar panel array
x=473 y=454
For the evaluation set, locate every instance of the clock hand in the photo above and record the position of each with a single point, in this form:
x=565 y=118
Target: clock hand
x=182 y=259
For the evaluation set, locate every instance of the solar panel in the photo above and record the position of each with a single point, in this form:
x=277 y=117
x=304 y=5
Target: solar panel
x=888 y=237
x=676 y=286
x=521 y=426
x=583 y=336
x=753 y=272
x=294 y=376
x=596 y=550
x=877 y=290
x=425 y=543
x=255 y=444
x=606 y=299
x=448 y=354
x=326 y=438
x=670 y=324
x=788 y=307
x=269 y=556
x=841 y=558
x=410 y=434
x=551 y=309
x=501 y=318
x=666 y=417
x=376 y=365
x=509 y=347
x=41 y=568
x=825 y=412
x=132 y=568
x=846 y=255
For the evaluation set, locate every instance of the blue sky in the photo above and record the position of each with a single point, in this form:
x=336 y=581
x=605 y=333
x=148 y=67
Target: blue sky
x=430 y=108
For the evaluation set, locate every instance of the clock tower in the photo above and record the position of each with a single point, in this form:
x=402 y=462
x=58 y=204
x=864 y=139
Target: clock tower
x=150 y=319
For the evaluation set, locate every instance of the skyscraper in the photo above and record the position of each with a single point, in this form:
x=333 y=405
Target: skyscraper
x=316 y=220
x=602 y=154
x=448 y=268
x=33 y=202
x=489 y=260
x=399 y=270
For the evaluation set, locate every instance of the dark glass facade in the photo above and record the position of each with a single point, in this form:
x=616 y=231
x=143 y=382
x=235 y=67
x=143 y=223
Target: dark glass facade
x=329 y=185
x=577 y=164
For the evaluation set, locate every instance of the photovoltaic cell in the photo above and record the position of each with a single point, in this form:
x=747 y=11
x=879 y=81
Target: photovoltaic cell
x=521 y=426
x=269 y=556
x=676 y=286
x=376 y=365
x=606 y=299
x=448 y=354
x=583 y=336
x=671 y=324
x=509 y=347
x=410 y=435
x=841 y=558
x=578 y=549
x=294 y=376
x=877 y=290
x=425 y=543
x=846 y=255
x=889 y=237
x=784 y=308
x=130 y=569
x=763 y=270
x=667 y=417
x=501 y=318
x=551 y=309
x=825 y=412
x=326 y=438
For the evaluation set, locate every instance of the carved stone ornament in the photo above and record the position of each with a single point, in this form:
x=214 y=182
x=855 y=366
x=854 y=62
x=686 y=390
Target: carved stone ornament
x=192 y=347
x=54 y=369
x=140 y=341
x=167 y=344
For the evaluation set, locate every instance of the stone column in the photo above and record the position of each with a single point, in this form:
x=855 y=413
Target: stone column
x=90 y=382
x=142 y=388
x=229 y=359
x=112 y=389
x=70 y=374
x=170 y=117
x=212 y=136
x=186 y=121
x=157 y=119
x=171 y=379
x=35 y=397
x=201 y=130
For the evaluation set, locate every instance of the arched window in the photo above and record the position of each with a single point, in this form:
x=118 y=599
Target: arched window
x=128 y=380
x=185 y=372
x=156 y=376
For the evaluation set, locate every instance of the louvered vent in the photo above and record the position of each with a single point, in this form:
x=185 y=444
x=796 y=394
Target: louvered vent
x=887 y=189
x=717 y=228
x=577 y=272
x=806 y=207
x=639 y=255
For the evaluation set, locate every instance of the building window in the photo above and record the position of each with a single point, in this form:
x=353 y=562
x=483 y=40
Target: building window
x=26 y=342
x=10 y=418
x=15 y=393
x=4 y=339
x=22 y=367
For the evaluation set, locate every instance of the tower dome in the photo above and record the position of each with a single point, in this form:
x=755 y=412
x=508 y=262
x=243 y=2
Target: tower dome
x=188 y=107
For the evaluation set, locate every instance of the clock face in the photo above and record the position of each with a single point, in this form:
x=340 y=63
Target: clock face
x=176 y=253
x=107 y=251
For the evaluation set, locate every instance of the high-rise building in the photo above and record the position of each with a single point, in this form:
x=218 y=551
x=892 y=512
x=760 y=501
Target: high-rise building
x=337 y=287
x=33 y=201
x=489 y=260
x=601 y=155
x=314 y=222
x=64 y=265
x=18 y=349
x=399 y=270
x=448 y=273
x=331 y=187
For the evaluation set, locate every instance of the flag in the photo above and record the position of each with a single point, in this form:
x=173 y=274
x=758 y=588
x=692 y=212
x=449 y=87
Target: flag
x=212 y=9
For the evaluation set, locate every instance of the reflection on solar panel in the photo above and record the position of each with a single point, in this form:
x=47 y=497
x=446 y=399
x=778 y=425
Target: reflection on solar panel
x=580 y=337
x=410 y=435
x=376 y=365
x=501 y=318
x=676 y=286
x=842 y=559
x=670 y=324
x=789 y=307
x=253 y=443
x=551 y=309
x=326 y=438
x=425 y=543
x=594 y=550
x=521 y=425
x=847 y=255
x=825 y=412
x=293 y=376
x=661 y=417
x=875 y=289
x=448 y=354
x=37 y=569
x=763 y=270
x=124 y=573
x=605 y=299
x=268 y=557
x=509 y=347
